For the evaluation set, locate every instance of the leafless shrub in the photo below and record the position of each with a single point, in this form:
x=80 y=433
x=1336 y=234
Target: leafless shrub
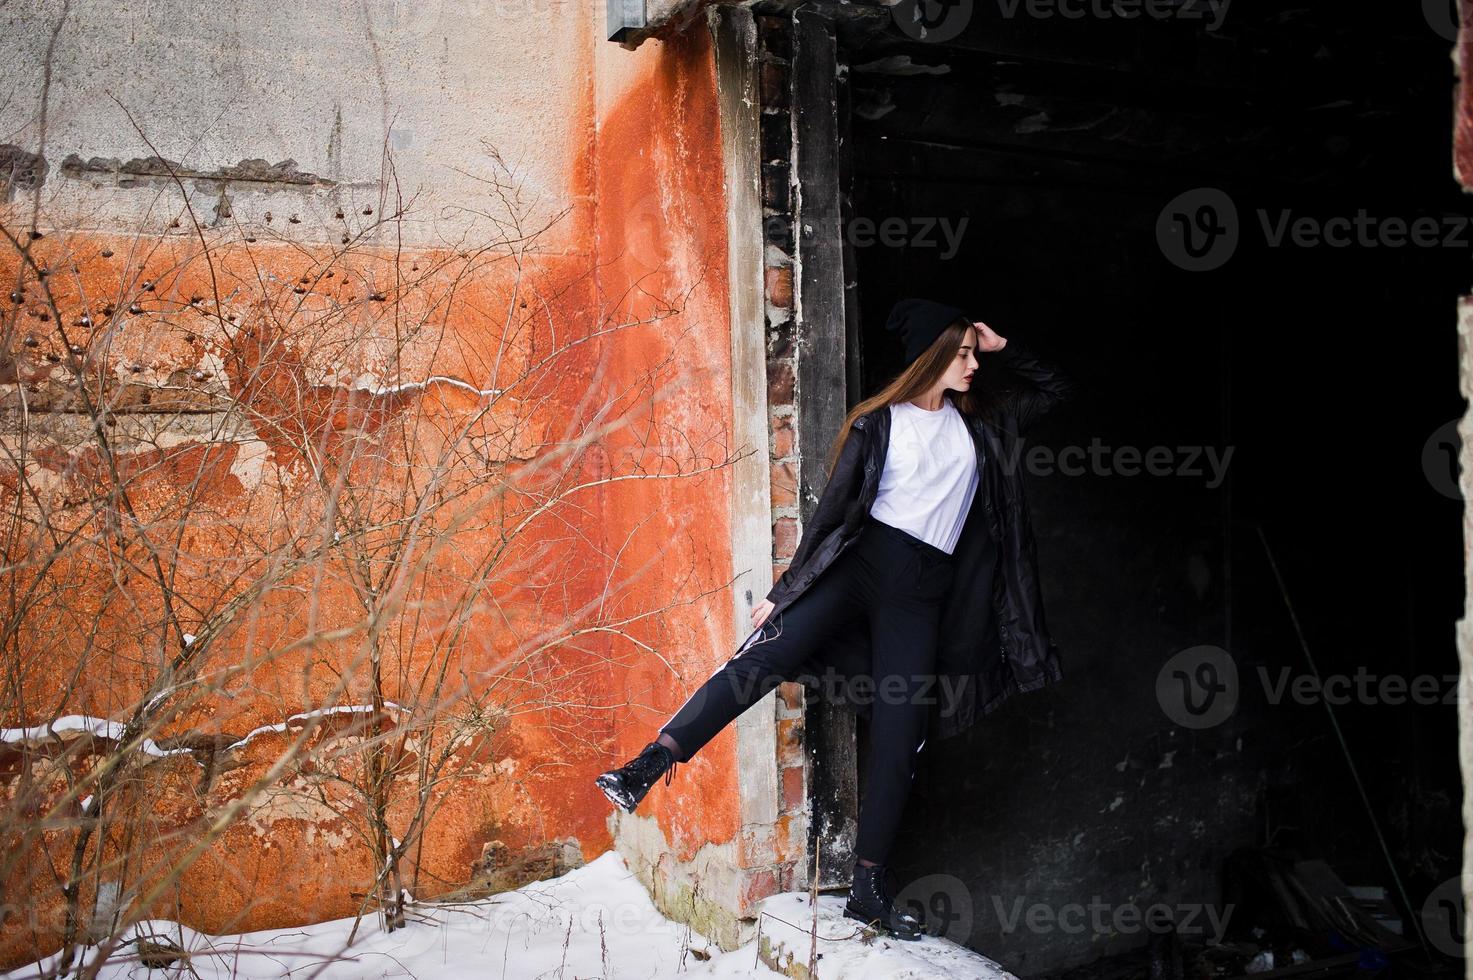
x=222 y=500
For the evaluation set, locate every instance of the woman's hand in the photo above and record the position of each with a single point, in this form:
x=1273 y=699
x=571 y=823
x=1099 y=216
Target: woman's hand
x=760 y=613
x=987 y=339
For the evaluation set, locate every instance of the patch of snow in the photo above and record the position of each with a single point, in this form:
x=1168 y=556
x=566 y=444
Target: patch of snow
x=594 y=921
x=98 y=727
x=367 y=382
x=162 y=695
x=106 y=728
x=281 y=726
x=788 y=925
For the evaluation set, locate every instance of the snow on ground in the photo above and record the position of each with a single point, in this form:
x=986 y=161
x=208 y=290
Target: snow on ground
x=594 y=921
x=846 y=953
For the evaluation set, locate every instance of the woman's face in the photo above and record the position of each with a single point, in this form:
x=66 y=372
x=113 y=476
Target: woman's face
x=958 y=376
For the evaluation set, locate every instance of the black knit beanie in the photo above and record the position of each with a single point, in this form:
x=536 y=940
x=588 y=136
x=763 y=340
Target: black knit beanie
x=919 y=322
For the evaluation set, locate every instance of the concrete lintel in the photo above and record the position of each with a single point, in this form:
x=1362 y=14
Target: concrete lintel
x=664 y=18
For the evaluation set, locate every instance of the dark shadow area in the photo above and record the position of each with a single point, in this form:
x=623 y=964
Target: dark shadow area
x=1299 y=396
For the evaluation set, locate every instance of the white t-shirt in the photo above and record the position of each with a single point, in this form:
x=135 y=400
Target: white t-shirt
x=930 y=474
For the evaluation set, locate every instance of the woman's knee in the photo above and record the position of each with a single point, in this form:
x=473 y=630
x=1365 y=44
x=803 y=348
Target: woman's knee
x=749 y=679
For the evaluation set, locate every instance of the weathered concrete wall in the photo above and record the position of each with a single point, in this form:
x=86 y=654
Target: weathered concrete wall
x=329 y=84
x=287 y=246
x=691 y=843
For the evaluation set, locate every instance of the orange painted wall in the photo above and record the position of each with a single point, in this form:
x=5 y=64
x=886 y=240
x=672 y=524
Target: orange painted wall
x=658 y=181
x=647 y=241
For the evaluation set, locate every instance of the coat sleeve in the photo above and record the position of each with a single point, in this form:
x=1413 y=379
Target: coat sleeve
x=842 y=489
x=1042 y=387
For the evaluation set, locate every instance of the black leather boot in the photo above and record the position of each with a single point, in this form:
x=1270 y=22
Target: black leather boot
x=869 y=904
x=628 y=784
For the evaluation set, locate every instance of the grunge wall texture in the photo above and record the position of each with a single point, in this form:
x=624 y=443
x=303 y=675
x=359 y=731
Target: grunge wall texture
x=272 y=235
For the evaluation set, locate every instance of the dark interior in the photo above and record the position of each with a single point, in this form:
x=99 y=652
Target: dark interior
x=1331 y=372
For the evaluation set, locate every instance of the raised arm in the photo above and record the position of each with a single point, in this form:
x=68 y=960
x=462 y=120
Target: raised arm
x=1041 y=384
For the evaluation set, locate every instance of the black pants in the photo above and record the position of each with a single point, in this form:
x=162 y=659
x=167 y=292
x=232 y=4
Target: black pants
x=896 y=582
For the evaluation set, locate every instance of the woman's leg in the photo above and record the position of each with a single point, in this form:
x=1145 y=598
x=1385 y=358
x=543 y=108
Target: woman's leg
x=765 y=660
x=904 y=631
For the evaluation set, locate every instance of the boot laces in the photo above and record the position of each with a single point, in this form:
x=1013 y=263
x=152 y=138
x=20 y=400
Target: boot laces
x=876 y=875
x=646 y=766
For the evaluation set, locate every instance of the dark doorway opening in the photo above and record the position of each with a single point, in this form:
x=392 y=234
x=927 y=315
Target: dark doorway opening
x=1302 y=394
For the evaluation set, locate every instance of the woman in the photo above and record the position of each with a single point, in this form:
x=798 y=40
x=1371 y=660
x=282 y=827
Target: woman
x=922 y=535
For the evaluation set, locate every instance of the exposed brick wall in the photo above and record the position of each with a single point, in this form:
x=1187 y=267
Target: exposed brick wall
x=775 y=42
x=774 y=39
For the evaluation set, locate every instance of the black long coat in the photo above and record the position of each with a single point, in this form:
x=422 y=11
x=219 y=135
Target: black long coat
x=994 y=642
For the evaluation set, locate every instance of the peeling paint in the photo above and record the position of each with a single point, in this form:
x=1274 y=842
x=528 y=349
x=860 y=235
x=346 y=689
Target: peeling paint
x=134 y=173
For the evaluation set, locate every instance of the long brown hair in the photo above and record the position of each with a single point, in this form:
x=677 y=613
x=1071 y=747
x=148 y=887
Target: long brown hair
x=917 y=379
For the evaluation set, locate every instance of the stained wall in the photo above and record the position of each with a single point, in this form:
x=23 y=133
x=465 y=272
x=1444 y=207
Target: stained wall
x=378 y=369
